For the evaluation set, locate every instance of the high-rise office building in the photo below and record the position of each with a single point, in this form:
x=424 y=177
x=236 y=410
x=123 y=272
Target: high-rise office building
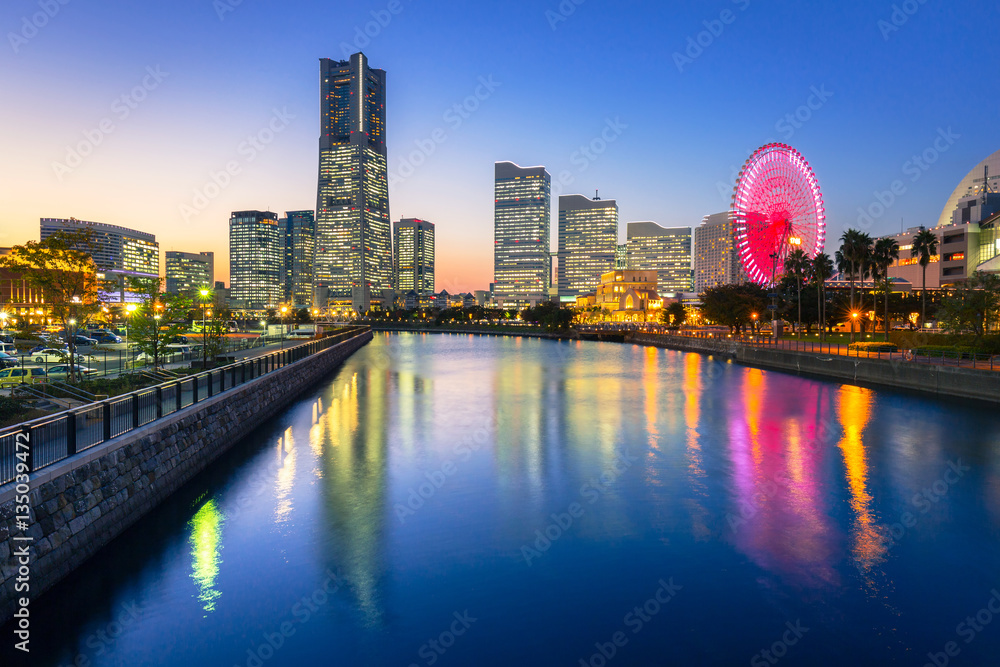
x=588 y=240
x=521 y=225
x=353 y=258
x=716 y=261
x=298 y=245
x=621 y=256
x=255 y=260
x=664 y=250
x=413 y=253
x=187 y=272
x=114 y=248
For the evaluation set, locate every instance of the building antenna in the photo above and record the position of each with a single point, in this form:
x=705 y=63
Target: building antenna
x=597 y=196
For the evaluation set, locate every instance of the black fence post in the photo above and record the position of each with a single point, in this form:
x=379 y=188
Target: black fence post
x=70 y=433
x=135 y=410
x=194 y=390
x=159 y=401
x=178 y=394
x=107 y=420
x=209 y=384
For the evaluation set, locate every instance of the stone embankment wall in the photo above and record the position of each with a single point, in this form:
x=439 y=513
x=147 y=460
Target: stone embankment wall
x=79 y=505
x=933 y=379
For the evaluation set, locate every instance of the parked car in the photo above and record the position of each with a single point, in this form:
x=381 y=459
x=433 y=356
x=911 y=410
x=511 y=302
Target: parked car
x=8 y=348
x=178 y=339
x=48 y=354
x=15 y=376
x=107 y=338
x=7 y=361
x=61 y=372
x=80 y=339
x=6 y=338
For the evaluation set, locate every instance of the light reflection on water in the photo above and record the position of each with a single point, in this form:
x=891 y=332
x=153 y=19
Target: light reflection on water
x=420 y=473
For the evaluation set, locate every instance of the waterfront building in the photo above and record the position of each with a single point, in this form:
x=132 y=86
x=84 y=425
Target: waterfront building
x=588 y=242
x=716 y=261
x=413 y=255
x=521 y=224
x=626 y=296
x=114 y=248
x=983 y=178
x=664 y=250
x=957 y=256
x=187 y=272
x=255 y=260
x=298 y=246
x=353 y=257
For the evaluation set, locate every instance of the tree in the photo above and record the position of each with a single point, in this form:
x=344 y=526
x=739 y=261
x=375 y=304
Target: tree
x=797 y=266
x=925 y=246
x=61 y=268
x=822 y=269
x=733 y=305
x=674 y=314
x=972 y=305
x=854 y=258
x=159 y=318
x=884 y=254
x=549 y=314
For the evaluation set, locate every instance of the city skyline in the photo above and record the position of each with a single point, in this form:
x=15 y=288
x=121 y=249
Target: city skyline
x=167 y=140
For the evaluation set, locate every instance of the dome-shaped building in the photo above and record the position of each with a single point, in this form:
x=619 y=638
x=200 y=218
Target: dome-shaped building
x=987 y=171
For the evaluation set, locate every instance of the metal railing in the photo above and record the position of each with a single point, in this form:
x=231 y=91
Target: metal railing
x=981 y=361
x=59 y=436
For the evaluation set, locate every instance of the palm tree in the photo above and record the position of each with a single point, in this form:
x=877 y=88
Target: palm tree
x=797 y=265
x=925 y=245
x=884 y=254
x=822 y=269
x=854 y=258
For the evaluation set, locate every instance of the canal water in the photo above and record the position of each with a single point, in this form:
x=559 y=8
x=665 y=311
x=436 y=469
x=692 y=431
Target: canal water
x=470 y=500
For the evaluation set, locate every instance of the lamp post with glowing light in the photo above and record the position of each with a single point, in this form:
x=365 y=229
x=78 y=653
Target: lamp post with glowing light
x=204 y=332
x=284 y=310
x=129 y=309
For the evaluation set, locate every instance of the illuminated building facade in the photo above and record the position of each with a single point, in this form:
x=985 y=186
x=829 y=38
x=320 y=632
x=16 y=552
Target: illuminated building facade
x=588 y=242
x=413 y=254
x=298 y=245
x=187 y=272
x=621 y=256
x=957 y=256
x=521 y=224
x=353 y=257
x=255 y=260
x=628 y=296
x=716 y=261
x=664 y=250
x=114 y=248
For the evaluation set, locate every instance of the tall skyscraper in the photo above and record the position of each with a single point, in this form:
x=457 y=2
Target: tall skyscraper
x=521 y=225
x=664 y=250
x=255 y=260
x=188 y=272
x=588 y=240
x=298 y=245
x=115 y=249
x=413 y=253
x=716 y=261
x=353 y=258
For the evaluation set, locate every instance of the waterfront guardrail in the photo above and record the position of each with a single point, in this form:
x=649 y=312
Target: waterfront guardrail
x=59 y=436
x=981 y=361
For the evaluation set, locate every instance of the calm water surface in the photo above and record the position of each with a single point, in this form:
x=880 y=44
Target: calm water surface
x=459 y=500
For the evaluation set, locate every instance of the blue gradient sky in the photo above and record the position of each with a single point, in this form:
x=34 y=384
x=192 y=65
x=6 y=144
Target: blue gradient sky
x=687 y=131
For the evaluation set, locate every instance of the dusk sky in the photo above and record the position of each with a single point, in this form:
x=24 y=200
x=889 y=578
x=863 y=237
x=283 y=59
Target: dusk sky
x=885 y=86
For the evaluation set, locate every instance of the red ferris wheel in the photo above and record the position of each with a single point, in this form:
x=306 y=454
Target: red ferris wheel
x=777 y=207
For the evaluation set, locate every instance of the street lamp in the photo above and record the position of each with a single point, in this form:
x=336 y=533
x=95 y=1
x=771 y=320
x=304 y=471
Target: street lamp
x=204 y=332
x=284 y=309
x=129 y=309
